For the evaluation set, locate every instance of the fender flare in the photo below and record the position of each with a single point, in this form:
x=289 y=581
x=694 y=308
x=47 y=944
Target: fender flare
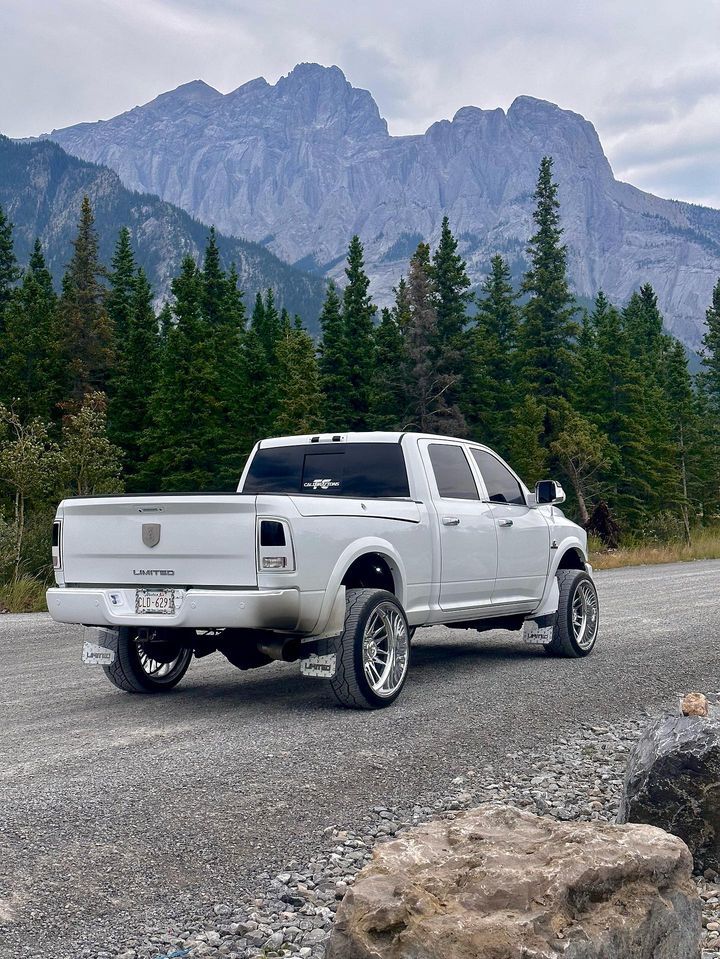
x=549 y=602
x=360 y=547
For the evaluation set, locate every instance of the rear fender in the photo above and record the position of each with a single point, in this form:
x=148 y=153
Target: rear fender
x=361 y=547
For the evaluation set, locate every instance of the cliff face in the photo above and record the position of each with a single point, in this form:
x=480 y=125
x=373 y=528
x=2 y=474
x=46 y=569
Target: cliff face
x=41 y=189
x=302 y=165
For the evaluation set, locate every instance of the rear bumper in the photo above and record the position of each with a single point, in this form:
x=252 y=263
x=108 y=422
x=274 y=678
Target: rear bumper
x=195 y=608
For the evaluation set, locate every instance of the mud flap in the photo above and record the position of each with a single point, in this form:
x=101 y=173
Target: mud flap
x=99 y=646
x=539 y=631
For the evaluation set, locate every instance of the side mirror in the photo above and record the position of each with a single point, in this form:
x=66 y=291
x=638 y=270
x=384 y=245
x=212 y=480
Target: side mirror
x=549 y=493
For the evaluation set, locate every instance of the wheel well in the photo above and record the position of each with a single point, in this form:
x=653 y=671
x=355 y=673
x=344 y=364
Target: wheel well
x=573 y=559
x=370 y=571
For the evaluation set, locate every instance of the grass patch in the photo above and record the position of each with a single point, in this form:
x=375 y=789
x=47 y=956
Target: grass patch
x=23 y=595
x=705 y=545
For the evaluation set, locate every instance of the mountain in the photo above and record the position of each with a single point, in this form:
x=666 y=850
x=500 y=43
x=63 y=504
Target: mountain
x=41 y=189
x=301 y=165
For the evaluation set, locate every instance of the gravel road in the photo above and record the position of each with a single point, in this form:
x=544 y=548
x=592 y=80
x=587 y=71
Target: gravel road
x=121 y=813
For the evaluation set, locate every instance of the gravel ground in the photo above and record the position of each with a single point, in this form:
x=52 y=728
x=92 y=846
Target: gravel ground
x=121 y=815
x=290 y=914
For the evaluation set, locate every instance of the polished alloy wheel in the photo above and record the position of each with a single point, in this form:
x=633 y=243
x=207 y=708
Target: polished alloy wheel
x=585 y=614
x=160 y=660
x=385 y=649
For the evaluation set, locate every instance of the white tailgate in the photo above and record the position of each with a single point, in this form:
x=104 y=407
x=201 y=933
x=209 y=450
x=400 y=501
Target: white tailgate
x=203 y=540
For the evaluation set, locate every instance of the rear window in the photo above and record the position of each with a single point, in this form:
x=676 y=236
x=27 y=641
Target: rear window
x=330 y=469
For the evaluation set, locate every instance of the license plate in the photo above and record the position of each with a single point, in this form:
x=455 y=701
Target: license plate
x=155 y=602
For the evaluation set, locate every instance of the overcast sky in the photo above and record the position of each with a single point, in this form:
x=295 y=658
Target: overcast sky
x=646 y=72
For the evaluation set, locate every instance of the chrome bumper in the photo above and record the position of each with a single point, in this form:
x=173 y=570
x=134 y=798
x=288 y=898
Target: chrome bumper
x=194 y=608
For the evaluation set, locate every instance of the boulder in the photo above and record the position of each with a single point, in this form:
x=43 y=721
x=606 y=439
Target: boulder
x=501 y=883
x=694 y=704
x=672 y=781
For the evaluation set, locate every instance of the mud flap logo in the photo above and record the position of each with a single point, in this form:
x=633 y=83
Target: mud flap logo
x=94 y=655
x=321 y=667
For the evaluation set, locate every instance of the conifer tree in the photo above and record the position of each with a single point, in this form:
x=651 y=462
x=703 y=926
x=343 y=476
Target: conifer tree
x=388 y=397
x=31 y=369
x=711 y=348
x=358 y=312
x=299 y=397
x=9 y=272
x=85 y=326
x=548 y=324
x=135 y=379
x=333 y=363
x=452 y=287
x=491 y=391
x=427 y=387
x=121 y=279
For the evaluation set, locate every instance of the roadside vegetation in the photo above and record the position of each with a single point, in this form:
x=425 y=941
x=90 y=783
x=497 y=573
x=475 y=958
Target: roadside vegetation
x=100 y=393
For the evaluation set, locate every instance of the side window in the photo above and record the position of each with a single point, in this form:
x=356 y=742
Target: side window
x=501 y=485
x=452 y=472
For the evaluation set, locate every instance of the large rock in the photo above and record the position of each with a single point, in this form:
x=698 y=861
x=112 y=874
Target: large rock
x=499 y=883
x=673 y=781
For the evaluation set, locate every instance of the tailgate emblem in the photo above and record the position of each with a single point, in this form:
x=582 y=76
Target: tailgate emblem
x=151 y=534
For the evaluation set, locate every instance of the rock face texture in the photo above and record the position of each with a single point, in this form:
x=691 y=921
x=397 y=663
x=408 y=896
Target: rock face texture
x=673 y=781
x=500 y=883
x=301 y=165
x=41 y=189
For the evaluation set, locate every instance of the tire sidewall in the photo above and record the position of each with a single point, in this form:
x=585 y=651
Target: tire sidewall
x=127 y=652
x=565 y=613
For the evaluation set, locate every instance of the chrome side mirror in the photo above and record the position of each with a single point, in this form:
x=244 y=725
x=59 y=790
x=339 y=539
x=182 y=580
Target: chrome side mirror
x=549 y=493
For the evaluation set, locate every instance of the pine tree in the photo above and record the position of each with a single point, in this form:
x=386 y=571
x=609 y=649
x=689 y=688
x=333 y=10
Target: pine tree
x=427 y=407
x=711 y=348
x=548 y=324
x=9 y=272
x=452 y=287
x=135 y=379
x=388 y=397
x=85 y=325
x=491 y=390
x=118 y=300
x=333 y=363
x=299 y=400
x=358 y=314
x=31 y=369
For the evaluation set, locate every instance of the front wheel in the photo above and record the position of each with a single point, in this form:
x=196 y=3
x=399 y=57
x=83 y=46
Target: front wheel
x=372 y=654
x=576 y=625
x=147 y=663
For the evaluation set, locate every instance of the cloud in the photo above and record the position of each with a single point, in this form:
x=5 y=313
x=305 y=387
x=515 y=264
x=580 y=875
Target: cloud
x=646 y=73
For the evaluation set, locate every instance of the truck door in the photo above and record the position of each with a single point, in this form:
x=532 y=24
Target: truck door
x=523 y=534
x=468 y=539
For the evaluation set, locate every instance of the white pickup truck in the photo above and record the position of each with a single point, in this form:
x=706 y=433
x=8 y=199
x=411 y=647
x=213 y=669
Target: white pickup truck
x=333 y=550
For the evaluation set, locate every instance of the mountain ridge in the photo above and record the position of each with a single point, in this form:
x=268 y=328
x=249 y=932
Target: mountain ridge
x=41 y=188
x=300 y=165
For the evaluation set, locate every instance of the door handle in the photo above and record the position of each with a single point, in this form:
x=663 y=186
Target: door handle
x=505 y=522
x=451 y=521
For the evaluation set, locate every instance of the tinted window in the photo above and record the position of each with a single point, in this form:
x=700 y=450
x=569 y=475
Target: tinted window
x=452 y=472
x=501 y=485
x=330 y=469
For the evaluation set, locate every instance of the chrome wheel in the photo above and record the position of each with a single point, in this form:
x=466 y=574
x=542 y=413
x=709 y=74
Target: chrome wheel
x=161 y=661
x=585 y=615
x=385 y=649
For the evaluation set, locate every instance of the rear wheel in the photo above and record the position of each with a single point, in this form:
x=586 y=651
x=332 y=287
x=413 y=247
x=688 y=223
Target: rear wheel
x=576 y=626
x=147 y=662
x=373 y=651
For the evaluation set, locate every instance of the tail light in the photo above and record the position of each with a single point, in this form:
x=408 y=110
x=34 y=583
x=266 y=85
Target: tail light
x=57 y=544
x=275 y=550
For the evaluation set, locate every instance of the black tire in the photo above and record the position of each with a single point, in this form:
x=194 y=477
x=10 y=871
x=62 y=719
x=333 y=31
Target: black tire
x=132 y=670
x=565 y=642
x=350 y=683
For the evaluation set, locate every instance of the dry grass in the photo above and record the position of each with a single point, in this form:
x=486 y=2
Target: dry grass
x=705 y=545
x=23 y=595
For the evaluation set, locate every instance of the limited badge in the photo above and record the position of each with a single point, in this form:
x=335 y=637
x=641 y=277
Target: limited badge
x=94 y=655
x=537 y=635
x=322 y=667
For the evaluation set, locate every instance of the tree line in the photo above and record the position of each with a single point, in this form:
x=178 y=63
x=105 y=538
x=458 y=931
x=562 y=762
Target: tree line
x=99 y=392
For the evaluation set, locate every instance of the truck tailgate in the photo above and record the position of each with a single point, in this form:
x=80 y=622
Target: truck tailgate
x=186 y=540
